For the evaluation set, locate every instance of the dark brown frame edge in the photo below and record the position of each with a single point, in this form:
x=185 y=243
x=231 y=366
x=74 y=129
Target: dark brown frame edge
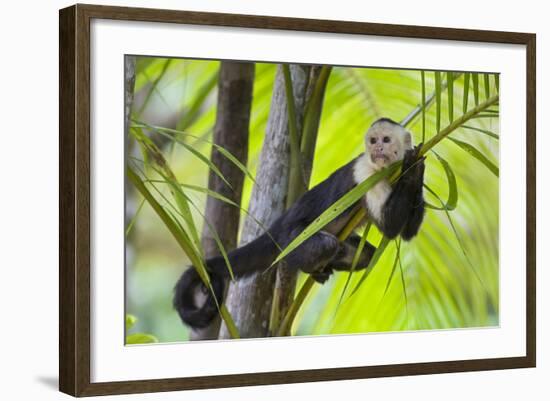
x=74 y=199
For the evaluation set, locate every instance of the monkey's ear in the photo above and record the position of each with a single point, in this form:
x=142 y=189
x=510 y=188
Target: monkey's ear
x=408 y=140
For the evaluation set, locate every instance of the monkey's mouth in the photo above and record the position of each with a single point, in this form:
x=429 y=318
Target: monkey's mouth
x=379 y=157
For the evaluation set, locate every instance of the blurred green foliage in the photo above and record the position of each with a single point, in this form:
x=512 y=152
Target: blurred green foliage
x=137 y=338
x=446 y=278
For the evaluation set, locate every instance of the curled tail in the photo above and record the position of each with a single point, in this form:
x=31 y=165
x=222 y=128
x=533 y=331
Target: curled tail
x=185 y=292
x=255 y=256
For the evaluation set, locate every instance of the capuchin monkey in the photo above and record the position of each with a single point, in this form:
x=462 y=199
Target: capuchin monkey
x=396 y=210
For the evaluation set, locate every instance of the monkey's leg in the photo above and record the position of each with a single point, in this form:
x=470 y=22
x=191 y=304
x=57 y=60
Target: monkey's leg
x=397 y=209
x=314 y=255
x=404 y=196
x=417 y=212
x=343 y=261
x=413 y=223
x=344 y=258
x=316 y=252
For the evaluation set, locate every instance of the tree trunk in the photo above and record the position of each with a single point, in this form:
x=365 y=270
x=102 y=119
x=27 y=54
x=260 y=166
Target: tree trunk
x=235 y=85
x=249 y=299
x=285 y=284
x=129 y=82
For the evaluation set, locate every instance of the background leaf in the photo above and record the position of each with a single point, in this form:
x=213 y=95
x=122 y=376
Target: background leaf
x=130 y=321
x=141 y=338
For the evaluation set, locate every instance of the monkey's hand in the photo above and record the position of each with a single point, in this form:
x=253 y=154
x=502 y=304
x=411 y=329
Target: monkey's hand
x=413 y=165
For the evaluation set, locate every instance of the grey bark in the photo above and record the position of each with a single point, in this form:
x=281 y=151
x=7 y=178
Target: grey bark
x=249 y=299
x=235 y=85
x=308 y=144
x=285 y=284
x=129 y=83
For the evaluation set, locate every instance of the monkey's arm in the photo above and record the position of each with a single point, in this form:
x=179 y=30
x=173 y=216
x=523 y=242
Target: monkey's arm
x=403 y=211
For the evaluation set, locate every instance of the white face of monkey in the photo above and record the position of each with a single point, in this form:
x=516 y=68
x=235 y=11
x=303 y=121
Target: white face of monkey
x=386 y=143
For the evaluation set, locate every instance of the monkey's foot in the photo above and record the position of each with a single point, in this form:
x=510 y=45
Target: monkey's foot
x=321 y=276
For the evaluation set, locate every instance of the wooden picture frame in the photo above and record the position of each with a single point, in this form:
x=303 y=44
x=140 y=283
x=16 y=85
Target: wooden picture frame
x=75 y=204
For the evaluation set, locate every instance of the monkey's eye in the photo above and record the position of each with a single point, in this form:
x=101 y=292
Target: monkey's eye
x=372 y=140
x=386 y=139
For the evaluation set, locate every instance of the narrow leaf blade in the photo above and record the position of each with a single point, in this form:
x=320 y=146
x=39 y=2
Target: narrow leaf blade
x=475 y=82
x=375 y=258
x=477 y=154
x=394 y=267
x=483 y=131
x=466 y=92
x=450 y=95
x=487 y=86
x=438 y=101
x=451 y=181
x=174 y=135
x=423 y=79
